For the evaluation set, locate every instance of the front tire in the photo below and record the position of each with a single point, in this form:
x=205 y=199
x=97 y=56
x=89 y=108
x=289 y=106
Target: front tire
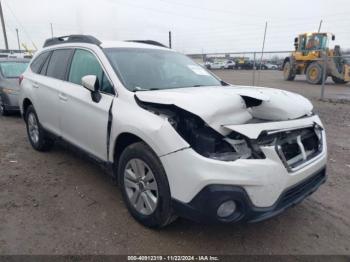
x=38 y=137
x=288 y=73
x=3 y=110
x=144 y=186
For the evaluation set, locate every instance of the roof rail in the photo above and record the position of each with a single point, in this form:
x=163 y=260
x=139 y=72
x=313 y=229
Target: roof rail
x=72 y=39
x=148 y=42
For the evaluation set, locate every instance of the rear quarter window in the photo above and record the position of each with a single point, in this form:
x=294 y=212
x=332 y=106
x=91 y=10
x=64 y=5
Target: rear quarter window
x=45 y=65
x=36 y=65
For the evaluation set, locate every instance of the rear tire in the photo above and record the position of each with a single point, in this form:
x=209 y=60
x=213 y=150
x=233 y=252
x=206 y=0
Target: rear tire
x=288 y=73
x=144 y=186
x=337 y=80
x=314 y=73
x=3 y=110
x=37 y=136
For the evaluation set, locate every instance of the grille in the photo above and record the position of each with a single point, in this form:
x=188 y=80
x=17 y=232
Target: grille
x=297 y=147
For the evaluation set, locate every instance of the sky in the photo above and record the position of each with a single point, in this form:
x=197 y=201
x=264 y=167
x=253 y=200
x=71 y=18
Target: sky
x=197 y=26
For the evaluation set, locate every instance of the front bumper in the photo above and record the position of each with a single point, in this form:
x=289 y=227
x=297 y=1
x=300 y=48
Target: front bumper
x=203 y=208
x=264 y=180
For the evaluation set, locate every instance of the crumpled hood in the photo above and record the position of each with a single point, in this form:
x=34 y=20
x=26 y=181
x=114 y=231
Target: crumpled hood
x=219 y=106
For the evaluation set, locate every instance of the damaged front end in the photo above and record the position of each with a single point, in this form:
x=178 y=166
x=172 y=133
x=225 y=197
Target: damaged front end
x=227 y=124
x=202 y=138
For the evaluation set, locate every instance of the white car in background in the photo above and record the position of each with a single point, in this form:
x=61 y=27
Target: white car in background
x=215 y=65
x=271 y=66
x=179 y=141
x=230 y=64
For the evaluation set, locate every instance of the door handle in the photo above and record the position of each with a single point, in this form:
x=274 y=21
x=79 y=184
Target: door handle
x=35 y=85
x=62 y=97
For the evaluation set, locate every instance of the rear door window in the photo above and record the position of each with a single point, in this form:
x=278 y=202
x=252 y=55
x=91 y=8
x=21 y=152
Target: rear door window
x=38 y=62
x=58 y=64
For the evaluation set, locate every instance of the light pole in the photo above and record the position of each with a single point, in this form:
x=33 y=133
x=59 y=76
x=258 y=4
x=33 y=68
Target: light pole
x=19 y=45
x=3 y=27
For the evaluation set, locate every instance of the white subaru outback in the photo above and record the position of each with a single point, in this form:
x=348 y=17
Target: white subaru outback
x=179 y=141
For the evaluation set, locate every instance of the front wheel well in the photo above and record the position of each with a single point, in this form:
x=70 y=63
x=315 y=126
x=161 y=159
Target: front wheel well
x=122 y=141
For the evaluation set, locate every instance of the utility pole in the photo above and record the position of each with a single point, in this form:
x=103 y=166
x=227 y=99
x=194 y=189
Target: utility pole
x=262 y=51
x=19 y=45
x=51 y=30
x=169 y=39
x=319 y=27
x=3 y=27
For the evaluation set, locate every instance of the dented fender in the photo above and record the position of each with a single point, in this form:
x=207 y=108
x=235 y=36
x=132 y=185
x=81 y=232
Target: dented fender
x=154 y=130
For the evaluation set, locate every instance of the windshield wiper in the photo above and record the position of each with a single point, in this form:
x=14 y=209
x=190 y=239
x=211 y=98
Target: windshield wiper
x=223 y=83
x=144 y=89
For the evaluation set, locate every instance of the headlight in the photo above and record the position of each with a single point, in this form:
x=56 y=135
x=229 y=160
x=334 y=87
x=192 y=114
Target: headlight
x=9 y=91
x=208 y=142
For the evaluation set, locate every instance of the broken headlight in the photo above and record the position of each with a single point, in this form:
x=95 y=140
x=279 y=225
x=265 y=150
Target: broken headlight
x=208 y=142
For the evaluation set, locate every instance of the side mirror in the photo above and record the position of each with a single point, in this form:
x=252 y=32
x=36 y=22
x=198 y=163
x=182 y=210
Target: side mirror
x=333 y=37
x=296 y=43
x=91 y=83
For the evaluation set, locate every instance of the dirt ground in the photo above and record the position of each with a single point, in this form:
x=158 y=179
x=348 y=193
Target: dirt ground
x=62 y=203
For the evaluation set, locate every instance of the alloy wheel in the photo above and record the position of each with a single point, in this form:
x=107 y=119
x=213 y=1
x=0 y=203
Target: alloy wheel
x=140 y=186
x=33 y=128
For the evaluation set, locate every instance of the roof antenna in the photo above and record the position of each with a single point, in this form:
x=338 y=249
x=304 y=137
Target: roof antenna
x=51 y=30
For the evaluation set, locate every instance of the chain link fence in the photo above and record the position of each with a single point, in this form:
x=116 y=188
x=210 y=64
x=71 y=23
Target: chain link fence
x=267 y=69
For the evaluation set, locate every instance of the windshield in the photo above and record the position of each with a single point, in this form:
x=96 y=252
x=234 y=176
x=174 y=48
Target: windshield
x=316 y=42
x=152 y=69
x=12 y=69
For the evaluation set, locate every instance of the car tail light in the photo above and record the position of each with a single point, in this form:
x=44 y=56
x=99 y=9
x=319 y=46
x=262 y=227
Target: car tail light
x=20 y=79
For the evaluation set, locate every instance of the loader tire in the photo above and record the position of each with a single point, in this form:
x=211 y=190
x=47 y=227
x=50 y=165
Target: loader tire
x=314 y=73
x=288 y=73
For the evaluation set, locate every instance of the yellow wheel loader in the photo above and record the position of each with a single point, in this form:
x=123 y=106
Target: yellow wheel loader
x=311 y=52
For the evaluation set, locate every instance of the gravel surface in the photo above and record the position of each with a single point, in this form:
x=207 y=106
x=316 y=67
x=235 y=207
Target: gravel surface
x=62 y=203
